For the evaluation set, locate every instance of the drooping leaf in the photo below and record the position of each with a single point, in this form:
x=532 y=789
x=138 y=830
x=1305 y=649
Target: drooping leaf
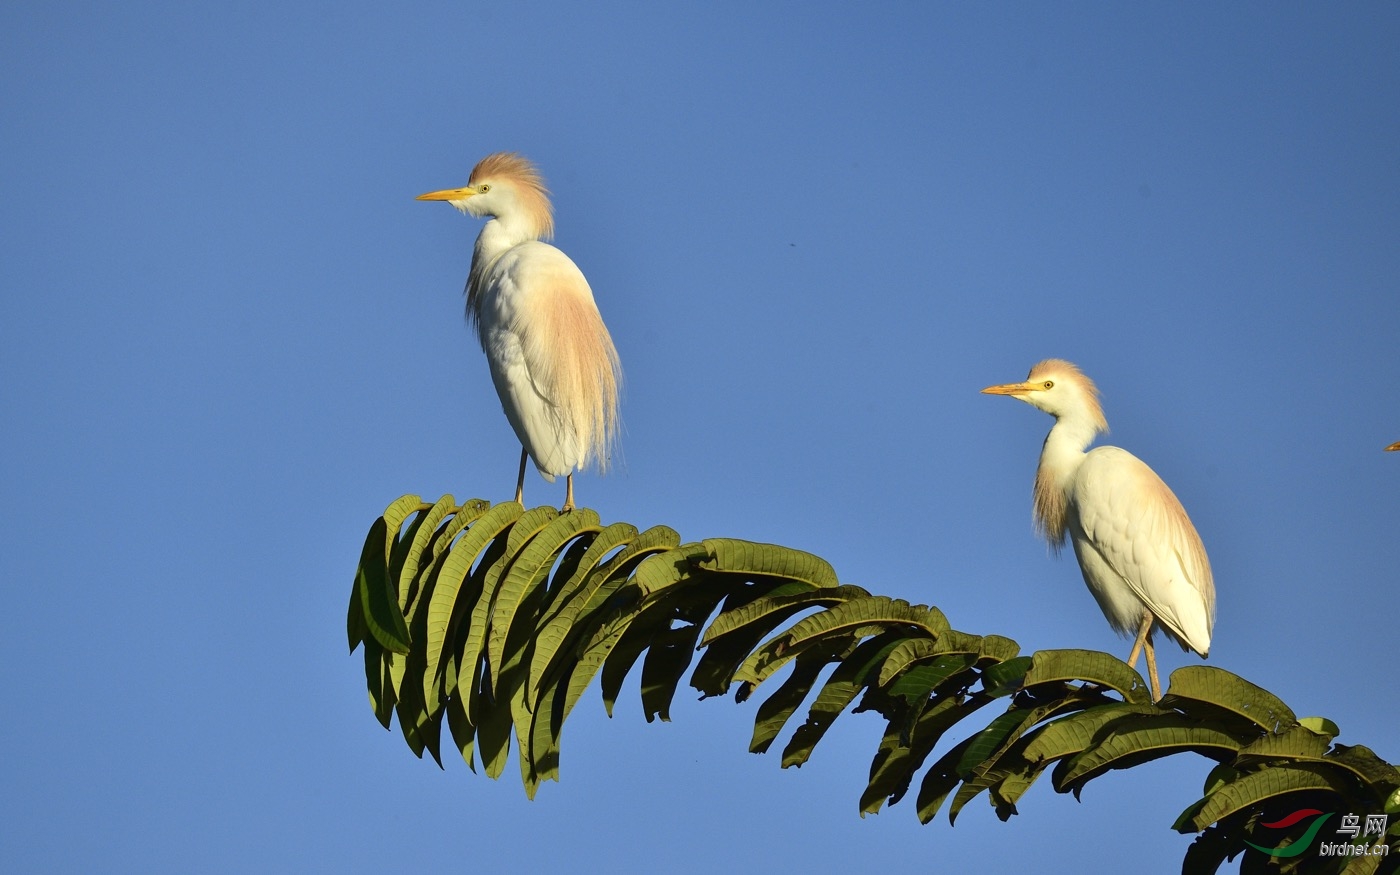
x=378 y=604
x=732 y=556
x=1005 y=678
x=1070 y=735
x=1320 y=726
x=783 y=604
x=1088 y=665
x=893 y=769
x=527 y=570
x=840 y=689
x=1195 y=685
x=1362 y=762
x=723 y=655
x=667 y=569
x=939 y=781
x=876 y=612
x=471 y=632
x=1295 y=741
x=583 y=596
x=775 y=711
x=1254 y=788
x=1132 y=740
x=667 y=657
x=425 y=527
x=445 y=610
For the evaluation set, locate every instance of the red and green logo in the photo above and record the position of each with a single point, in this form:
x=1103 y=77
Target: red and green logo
x=1303 y=842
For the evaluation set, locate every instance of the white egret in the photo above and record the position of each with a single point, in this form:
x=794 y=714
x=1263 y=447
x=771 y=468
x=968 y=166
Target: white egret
x=552 y=360
x=1138 y=552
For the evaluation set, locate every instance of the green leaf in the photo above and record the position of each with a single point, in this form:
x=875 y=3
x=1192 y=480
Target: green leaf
x=378 y=606
x=668 y=656
x=493 y=731
x=1362 y=762
x=998 y=649
x=783 y=604
x=940 y=780
x=1195 y=685
x=445 y=610
x=424 y=528
x=1255 y=788
x=918 y=682
x=775 y=711
x=750 y=558
x=1070 y=735
x=667 y=569
x=577 y=594
x=1088 y=665
x=890 y=770
x=439 y=544
x=928 y=730
x=1007 y=677
x=1136 y=739
x=1321 y=726
x=610 y=539
x=527 y=571
x=722 y=657
x=1296 y=741
x=845 y=683
x=381 y=691
x=459 y=722
x=470 y=640
x=875 y=611
x=907 y=653
x=355 y=627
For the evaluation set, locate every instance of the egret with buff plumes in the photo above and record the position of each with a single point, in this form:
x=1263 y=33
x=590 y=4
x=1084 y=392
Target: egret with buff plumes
x=1138 y=551
x=552 y=360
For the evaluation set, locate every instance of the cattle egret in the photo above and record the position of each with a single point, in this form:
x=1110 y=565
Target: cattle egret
x=1139 y=553
x=551 y=357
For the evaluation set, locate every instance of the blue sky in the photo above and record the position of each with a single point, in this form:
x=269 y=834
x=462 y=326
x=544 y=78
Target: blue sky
x=231 y=337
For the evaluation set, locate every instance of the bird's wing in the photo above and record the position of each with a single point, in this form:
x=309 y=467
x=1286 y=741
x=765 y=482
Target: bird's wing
x=1135 y=522
x=544 y=308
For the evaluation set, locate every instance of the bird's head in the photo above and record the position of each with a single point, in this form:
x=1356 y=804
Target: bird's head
x=505 y=186
x=1060 y=389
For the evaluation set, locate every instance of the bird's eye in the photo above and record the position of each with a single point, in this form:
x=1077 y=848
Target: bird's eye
x=1048 y=384
x=485 y=187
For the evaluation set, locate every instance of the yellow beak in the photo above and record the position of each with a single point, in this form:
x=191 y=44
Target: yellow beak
x=1011 y=389
x=1394 y=447
x=448 y=194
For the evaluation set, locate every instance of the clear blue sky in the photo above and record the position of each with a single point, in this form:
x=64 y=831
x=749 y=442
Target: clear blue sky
x=230 y=336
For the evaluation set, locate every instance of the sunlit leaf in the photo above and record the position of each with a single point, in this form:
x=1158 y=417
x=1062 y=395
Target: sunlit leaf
x=1133 y=740
x=444 y=609
x=1194 y=685
x=1088 y=665
x=527 y=570
x=733 y=556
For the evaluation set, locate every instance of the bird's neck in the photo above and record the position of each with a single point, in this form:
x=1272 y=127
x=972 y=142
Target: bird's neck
x=1060 y=458
x=497 y=237
x=502 y=233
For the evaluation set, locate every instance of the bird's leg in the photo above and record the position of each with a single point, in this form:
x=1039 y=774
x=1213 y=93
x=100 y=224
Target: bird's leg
x=1146 y=627
x=520 y=481
x=1152 y=668
x=568 y=494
